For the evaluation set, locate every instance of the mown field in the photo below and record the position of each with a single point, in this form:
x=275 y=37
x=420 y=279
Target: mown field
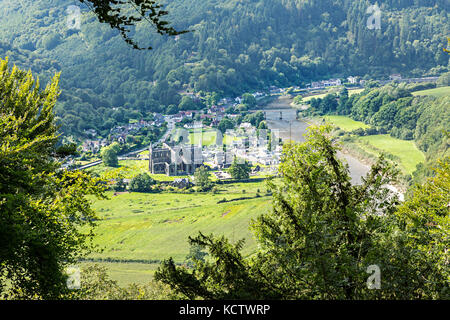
x=406 y=151
x=126 y=273
x=147 y=228
x=345 y=123
x=209 y=137
x=437 y=92
x=322 y=95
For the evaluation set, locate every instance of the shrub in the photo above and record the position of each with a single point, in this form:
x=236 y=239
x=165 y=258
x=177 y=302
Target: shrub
x=142 y=183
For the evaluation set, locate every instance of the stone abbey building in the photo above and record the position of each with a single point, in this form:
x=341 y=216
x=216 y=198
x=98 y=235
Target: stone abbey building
x=174 y=160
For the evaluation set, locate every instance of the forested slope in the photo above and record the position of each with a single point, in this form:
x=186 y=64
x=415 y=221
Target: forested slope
x=235 y=46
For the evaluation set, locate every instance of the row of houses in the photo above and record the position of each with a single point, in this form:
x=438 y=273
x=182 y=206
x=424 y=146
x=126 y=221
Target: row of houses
x=357 y=81
x=325 y=83
x=94 y=146
x=118 y=133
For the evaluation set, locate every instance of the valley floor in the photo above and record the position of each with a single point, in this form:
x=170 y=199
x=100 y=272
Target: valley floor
x=367 y=148
x=138 y=230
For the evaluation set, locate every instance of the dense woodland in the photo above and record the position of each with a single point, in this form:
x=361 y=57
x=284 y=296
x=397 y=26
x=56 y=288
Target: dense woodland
x=233 y=47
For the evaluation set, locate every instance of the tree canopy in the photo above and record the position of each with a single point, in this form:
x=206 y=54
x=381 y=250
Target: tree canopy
x=42 y=207
x=324 y=235
x=285 y=43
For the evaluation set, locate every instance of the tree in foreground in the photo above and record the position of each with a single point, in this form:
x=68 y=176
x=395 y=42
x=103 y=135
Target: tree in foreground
x=324 y=235
x=42 y=207
x=97 y=285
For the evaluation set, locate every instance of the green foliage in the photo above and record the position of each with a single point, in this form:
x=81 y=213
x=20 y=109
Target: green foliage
x=96 y=284
x=224 y=276
x=109 y=155
x=42 y=207
x=195 y=254
x=240 y=171
x=249 y=100
x=444 y=80
x=187 y=104
x=142 y=183
x=285 y=43
x=254 y=118
x=425 y=218
x=50 y=41
x=120 y=185
x=202 y=179
x=298 y=99
x=263 y=125
x=323 y=233
x=225 y=124
x=393 y=109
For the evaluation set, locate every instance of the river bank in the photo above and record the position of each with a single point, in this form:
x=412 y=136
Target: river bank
x=295 y=130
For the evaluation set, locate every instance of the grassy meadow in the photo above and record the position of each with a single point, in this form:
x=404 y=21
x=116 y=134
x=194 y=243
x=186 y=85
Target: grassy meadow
x=437 y=92
x=139 y=230
x=333 y=90
x=345 y=123
x=405 y=151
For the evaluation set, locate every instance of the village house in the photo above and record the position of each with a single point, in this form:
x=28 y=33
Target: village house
x=225 y=101
x=90 y=132
x=258 y=95
x=187 y=114
x=193 y=125
x=395 y=76
x=326 y=83
x=352 y=80
x=93 y=146
x=275 y=90
x=216 y=108
x=207 y=116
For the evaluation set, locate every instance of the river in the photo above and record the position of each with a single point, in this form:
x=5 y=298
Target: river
x=292 y=129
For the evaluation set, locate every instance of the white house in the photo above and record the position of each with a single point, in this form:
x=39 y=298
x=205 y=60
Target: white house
x=352 y=80
x=395 y=76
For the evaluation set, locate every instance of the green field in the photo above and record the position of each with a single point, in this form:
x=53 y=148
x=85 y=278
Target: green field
x=345 y=123
x=437 y=92
x=322 y=95
x=406 y=151
x=207 y=136
x=153 y=227
x=156 y=226
x=126 y=273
